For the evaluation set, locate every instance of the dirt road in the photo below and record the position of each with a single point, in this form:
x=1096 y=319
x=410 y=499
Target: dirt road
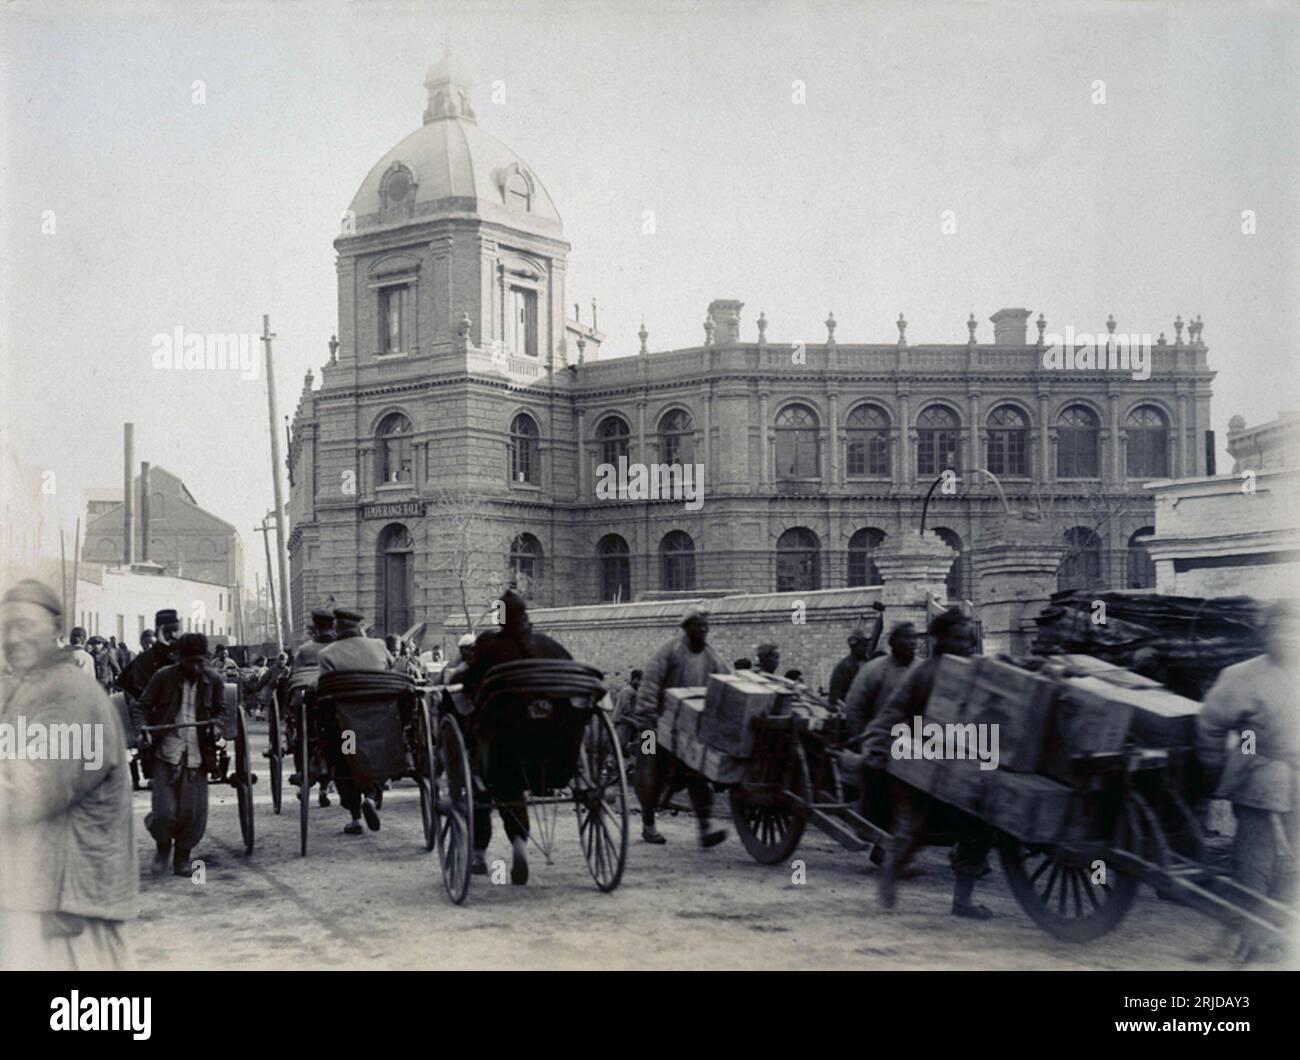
x=376 y=902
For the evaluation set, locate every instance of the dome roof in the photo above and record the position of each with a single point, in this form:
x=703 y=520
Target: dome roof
x=451 y=166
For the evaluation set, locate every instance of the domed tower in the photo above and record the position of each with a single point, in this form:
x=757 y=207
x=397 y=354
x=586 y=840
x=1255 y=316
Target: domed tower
x=445 y=378
x=450 y=224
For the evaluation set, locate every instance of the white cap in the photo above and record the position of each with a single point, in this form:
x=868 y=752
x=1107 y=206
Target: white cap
x=466 y=640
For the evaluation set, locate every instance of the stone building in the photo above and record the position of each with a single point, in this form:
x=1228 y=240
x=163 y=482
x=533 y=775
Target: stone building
x=172 y=533
x=460 y=422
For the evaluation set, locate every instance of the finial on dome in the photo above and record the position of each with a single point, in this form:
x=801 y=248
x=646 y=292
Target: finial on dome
x=449 y=86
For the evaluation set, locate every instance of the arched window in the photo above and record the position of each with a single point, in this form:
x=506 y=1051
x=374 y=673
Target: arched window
x=1141 y=567
x=955 y=583
x=525 y=451
x=393 y=443
x=1148 y=443
x=677 y=437
x=677 y=561
x=518 y=193
x=395 y=606
x=1081 y=566
x=1078 y=443
x=862 y=568
x=614 y=437
x=1008 y=441
x=867 y=432
x=615 y=569
x=796 y=443
x=526 y=564
x=937 y=440
x=798 y=567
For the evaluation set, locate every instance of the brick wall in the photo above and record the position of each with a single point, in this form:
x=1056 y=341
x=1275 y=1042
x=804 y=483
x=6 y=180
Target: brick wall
x=618 y=637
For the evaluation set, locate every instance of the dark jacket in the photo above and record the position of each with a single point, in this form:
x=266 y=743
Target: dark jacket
x=842 y=677
x=137 y=676
x=908 y=700
x=162 y=701
x=502 y=646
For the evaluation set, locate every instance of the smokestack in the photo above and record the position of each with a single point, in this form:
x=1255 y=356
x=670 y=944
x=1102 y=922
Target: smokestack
x=128 y=496
x=144 y=511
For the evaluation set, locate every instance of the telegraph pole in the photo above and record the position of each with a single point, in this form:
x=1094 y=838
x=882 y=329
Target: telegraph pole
x=265 y=531
x=282 y=555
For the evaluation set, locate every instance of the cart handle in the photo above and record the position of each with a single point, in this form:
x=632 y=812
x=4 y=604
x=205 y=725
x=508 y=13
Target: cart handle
x=178 y=725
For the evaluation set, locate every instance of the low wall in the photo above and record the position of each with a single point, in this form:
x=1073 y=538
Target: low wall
x=619 y=637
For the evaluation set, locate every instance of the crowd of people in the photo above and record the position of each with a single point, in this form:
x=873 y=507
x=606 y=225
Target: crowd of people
x=68 y=879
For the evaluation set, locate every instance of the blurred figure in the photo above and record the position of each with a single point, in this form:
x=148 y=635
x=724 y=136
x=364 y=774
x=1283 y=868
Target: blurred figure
x=185 y=695
x=742 y=664
x=687 y=660
x=876 y=680
x=768 y=657
x=77 y=646
x=847 y=668
x=625 y=707
x=68 y=878
x=953 y=634
x=351 y=650
x=454 y=672
x=1256 y=700
x=304 y=671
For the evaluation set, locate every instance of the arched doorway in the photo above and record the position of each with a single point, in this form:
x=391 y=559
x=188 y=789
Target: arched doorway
x=395 y=606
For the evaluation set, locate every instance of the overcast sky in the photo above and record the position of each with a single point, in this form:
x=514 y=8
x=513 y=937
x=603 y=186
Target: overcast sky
x=170 y=213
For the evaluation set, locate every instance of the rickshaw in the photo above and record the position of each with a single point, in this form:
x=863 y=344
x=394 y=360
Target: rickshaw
x=388 y=714
x=553 y=718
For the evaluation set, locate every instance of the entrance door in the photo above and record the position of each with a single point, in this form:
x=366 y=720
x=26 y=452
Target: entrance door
x=396 y=579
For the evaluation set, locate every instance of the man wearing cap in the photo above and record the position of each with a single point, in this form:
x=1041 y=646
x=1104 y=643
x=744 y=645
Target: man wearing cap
x=306 y=660
x=686 y=660
x=454 y=672
x=68 y=875
x=181 y=697
x=504 y=769
x=305 y=671
x=953 y=635
x=876 y=681
x=351 y=650
x=625 y=707
x=847 y=668
x=160 y=652
x=768 y=657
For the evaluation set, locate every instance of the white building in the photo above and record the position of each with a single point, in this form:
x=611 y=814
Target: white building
x=121 y=603
x=1237 y=534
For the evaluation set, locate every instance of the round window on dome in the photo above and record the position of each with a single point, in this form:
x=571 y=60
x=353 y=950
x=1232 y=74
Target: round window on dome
x=397 y=186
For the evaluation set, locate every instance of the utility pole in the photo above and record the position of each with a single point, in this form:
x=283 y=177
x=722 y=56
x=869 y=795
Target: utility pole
x=280 y=636
x=282 y=554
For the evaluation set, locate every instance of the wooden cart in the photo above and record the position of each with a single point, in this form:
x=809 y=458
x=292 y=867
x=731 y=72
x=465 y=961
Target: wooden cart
x=1128 y=824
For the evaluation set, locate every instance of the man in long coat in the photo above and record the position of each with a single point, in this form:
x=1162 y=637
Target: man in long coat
x=68 y=874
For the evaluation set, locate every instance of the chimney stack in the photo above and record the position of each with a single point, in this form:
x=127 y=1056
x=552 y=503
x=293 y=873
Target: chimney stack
x=1010 y=327
x=726 y=320
x=128 y=496
x=144 y=511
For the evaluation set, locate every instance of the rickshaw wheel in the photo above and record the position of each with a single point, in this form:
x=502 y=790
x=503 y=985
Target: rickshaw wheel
x=600 y=797
x=425 y=774
x=304 y=774
x=453 y=805
x=275 y=755
x=1054 y=884
x=243 y=780
x=764 y=813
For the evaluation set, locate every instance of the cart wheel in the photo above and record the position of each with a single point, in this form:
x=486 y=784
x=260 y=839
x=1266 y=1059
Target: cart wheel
x=600 y=796
x=453 y=806
x=425 y=774
x=1055 y=885
x=762 y=807
x=304 y=774
x=243 y=780
x=275 y=754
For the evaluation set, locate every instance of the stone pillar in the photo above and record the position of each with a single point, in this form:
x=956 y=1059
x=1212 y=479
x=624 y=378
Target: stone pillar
x=1015 y=563
x=912 y=568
